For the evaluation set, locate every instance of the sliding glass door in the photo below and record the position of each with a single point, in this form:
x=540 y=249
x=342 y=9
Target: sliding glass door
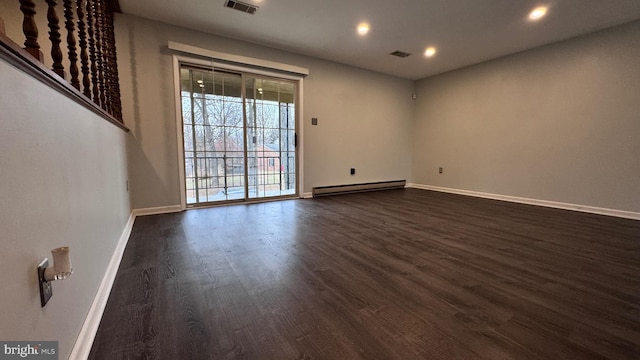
x=271 y=139
x=239 y=136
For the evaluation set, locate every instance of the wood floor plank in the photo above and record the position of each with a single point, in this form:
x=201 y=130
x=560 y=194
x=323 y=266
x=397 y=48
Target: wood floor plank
x=402 y=274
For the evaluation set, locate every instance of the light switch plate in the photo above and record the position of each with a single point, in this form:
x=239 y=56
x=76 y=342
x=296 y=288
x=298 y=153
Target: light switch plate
x=46 y=292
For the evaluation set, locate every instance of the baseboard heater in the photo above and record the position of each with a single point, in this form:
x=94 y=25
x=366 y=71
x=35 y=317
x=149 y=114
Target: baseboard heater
x=355 y=188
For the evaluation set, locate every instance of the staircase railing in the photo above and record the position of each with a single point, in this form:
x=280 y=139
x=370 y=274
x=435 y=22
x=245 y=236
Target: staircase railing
x=90 y=69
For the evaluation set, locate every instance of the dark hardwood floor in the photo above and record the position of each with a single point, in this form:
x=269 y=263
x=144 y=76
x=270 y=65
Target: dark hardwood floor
x=401 y=274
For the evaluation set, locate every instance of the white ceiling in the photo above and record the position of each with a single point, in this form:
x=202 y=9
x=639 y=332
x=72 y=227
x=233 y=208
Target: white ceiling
x=464 y=31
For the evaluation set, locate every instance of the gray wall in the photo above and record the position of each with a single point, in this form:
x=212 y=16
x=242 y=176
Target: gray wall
x=558 y=123
x=364 y=117
x=62 y=182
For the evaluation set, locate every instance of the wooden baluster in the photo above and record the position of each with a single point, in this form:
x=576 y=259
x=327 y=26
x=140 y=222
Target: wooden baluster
x=71 y=43
x=108 y=86
x=109 y=64
x=105 y=56
x=54 y=36
x=99 y=51
x=84 y=54
x=116 y=102
x=92 y=51
x=30 y=29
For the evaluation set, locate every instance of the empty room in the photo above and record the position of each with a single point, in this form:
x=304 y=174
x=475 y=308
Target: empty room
x=320 y=179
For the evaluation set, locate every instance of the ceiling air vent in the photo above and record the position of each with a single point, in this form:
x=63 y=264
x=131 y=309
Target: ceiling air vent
x=400 y=54
x=241 y=6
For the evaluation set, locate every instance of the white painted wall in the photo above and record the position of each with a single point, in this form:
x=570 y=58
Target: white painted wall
x=63 y=178
x=558 y=123
x=364 y=117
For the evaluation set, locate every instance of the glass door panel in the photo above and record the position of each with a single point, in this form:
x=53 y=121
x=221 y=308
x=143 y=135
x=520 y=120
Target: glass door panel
x=213 y=130
x=270 y=113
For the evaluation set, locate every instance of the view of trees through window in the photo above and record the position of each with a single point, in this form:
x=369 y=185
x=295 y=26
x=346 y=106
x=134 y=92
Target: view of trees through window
x=235 y=147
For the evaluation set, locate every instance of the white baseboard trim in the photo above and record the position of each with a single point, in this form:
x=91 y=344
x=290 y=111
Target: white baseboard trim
x=83 y=344
x=157 y=210
x=546 y=203
x=307 y=195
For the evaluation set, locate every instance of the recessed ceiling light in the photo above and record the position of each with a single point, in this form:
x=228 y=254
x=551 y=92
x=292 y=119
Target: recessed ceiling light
x=199 y=81
x=538 y=13
x=363 y=29
x=430 y=52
